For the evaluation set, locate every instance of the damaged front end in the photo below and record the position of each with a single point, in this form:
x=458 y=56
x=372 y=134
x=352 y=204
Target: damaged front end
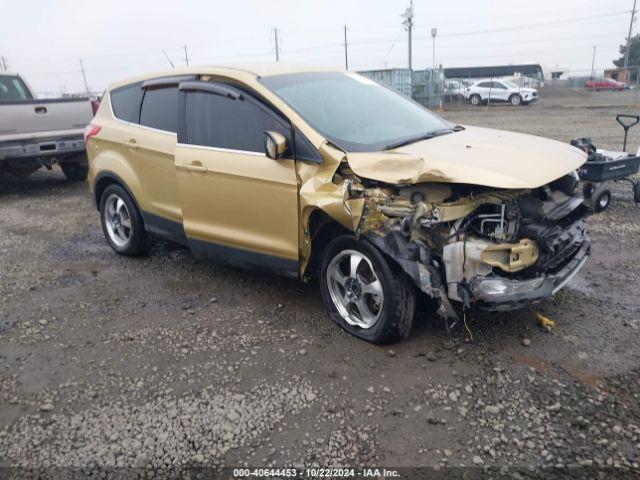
x=488 y=248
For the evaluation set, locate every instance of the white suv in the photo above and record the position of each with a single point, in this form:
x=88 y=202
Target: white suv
x=499 y=91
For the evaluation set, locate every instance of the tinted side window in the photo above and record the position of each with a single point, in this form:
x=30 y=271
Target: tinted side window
x=485 y=85
x=160 y=109
x=13 y=88
x=125 y=102
x=237 y=124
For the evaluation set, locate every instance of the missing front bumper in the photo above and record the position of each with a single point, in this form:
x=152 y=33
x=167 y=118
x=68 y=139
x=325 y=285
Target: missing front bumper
x=500 y=293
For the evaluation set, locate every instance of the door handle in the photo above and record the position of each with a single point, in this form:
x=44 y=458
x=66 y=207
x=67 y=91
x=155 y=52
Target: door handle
x=132 y=143
x=195 y=166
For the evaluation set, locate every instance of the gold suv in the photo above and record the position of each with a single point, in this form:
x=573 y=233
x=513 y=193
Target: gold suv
x=324 y=173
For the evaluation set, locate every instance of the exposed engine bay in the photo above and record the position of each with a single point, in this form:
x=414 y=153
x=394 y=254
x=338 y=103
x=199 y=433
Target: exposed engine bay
x=487 y=248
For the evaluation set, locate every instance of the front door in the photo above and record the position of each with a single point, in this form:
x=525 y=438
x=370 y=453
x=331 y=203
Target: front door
x=499 y=92
x=238 y=205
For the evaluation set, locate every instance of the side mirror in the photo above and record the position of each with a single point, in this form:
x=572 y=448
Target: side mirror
x=274 y=144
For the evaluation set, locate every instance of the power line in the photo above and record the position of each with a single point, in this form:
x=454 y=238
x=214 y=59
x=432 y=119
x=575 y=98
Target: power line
x=463 y=34
x=534 y=25
x=228 y=41
x=278 y=47
x=520 y=53
x=391 y=48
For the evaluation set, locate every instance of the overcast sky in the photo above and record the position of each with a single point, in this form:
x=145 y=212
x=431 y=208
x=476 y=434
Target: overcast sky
x=44 y=39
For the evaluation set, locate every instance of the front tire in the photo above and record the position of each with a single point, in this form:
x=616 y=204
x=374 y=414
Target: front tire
x=515 y=100
x=122 y=222
x=364 y=293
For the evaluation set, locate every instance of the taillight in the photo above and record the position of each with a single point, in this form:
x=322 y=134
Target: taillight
x=90 y=131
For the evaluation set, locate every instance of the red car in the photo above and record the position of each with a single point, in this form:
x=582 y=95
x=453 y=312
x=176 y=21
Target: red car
x=604 y=84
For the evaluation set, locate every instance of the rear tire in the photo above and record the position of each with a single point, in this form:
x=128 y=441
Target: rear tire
x=122 y=222
x=75 y=171
x=376 y=302
x=475 y=100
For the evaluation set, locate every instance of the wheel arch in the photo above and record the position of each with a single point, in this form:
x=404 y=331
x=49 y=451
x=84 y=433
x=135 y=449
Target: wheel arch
x=321 y=227
x=103 y=180
x=111 y=167
x=516 y=94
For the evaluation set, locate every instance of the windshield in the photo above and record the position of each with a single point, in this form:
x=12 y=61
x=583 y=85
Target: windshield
x=511 y=84
x=13 y=88
x=353 y=112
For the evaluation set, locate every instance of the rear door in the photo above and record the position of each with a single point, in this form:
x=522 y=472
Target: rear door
x=484 y=89
x=152 y=147
x=238 y=205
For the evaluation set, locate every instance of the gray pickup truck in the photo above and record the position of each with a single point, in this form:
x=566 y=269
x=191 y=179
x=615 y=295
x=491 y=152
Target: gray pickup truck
x=37 y=133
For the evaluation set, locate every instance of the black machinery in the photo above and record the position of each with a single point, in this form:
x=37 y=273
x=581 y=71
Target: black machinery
x=604 y=166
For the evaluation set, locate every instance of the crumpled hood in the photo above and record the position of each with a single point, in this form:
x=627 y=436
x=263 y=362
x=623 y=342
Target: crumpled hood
x=478 y=156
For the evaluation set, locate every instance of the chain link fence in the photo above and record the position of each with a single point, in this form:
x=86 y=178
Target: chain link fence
x=575 y=88
x=424 y=86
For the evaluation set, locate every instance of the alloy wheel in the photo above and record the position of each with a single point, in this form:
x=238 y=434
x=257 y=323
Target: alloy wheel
x=355 y=288
x=117 y=220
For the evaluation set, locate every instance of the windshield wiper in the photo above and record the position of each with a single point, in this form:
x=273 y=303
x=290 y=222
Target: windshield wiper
x=424 y=136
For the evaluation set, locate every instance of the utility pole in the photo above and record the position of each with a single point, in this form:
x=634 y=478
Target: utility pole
x=186 y=56
x=3 y=64
x=275 y=38
x=84 y=77
x=434 y=32
x=626 y=54
x=593 y=63
x=408 y=25
x=346 y=56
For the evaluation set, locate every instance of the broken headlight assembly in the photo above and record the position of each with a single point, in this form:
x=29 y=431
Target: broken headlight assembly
x=488 y=288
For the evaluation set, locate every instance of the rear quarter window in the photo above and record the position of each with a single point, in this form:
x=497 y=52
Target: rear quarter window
x=125 y=102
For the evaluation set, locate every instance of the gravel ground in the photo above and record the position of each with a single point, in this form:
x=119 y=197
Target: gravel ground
x=164 y=362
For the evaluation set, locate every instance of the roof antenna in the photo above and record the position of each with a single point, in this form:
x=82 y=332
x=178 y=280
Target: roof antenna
x=169 y=60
